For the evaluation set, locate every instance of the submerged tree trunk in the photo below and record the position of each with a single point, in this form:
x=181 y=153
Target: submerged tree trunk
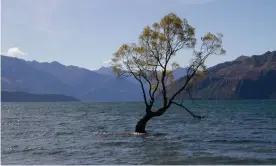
x=141 y=125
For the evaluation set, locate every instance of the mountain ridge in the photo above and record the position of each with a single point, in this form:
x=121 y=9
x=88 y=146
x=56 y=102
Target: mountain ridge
x=240 y=78
x=71 y=80
x=251 y=77
x=178 y=72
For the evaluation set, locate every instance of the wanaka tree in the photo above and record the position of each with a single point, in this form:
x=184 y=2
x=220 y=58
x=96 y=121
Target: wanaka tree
x=149 y=61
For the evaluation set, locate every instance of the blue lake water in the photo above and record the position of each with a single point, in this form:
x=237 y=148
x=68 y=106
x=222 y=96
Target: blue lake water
x=233 y=132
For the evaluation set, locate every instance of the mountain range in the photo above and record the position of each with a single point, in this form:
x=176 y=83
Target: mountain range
x=246 y=77
x=55 y=78
x=178 y=73
x=243 y=78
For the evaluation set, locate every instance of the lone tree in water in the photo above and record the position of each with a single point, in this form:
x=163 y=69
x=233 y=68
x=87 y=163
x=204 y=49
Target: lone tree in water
x=149 y=62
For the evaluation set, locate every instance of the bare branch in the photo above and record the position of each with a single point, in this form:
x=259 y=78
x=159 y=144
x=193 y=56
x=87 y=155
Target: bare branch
x=141 y=84
x=157 y=85
x=190 y=112
x=188 y=78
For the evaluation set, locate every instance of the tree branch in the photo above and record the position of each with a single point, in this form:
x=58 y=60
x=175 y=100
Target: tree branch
x=190 y=112
x=155 y=56
x=155 y=75
x=184 y=86
x=141 y=84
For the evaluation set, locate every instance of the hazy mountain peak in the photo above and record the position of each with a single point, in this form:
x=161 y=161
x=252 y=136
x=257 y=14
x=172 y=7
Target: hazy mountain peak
x=56 y=63
x=241 y=58
x=105 y=70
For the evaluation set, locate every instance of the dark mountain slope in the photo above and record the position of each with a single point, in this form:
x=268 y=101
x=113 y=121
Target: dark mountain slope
x=17 y=75
x=244 y=78
x=30 y=97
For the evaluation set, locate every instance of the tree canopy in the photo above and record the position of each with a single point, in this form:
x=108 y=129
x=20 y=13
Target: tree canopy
x=149 y=60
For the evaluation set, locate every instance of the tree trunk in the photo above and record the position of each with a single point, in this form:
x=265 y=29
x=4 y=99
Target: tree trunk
x=141 y=125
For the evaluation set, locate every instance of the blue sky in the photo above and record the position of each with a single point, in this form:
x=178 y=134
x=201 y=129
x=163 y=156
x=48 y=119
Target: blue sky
x=86 y=33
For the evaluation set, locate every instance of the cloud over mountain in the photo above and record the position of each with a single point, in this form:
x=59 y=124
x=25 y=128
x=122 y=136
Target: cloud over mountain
x=14 y=52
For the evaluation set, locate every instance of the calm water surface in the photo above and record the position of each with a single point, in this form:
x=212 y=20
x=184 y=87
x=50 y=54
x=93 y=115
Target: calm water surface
x=234 y=132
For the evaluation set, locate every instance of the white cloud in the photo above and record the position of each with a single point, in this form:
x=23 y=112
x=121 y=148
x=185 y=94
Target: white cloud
x=14 y=52
x=107 y=62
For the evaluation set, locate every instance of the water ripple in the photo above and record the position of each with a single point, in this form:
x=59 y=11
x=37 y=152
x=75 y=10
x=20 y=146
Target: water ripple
x=234 y=132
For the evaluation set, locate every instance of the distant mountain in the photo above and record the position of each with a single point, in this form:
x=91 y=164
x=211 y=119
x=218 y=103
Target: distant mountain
x=105 y=70
x=18 y=75
x=178 y=73
x=30 y=97
x=55 y=78
x=244 y=78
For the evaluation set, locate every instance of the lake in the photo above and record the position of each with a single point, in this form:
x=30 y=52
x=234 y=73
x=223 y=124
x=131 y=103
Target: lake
x=233 y=132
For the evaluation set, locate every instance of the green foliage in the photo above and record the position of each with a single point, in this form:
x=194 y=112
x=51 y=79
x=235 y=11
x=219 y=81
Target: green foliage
x=148 y=59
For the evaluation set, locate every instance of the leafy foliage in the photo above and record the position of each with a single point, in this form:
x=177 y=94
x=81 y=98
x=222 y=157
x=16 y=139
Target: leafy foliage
x=153 y=52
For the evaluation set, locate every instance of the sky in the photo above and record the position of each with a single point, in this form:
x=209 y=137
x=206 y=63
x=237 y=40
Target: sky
x=86 y=33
